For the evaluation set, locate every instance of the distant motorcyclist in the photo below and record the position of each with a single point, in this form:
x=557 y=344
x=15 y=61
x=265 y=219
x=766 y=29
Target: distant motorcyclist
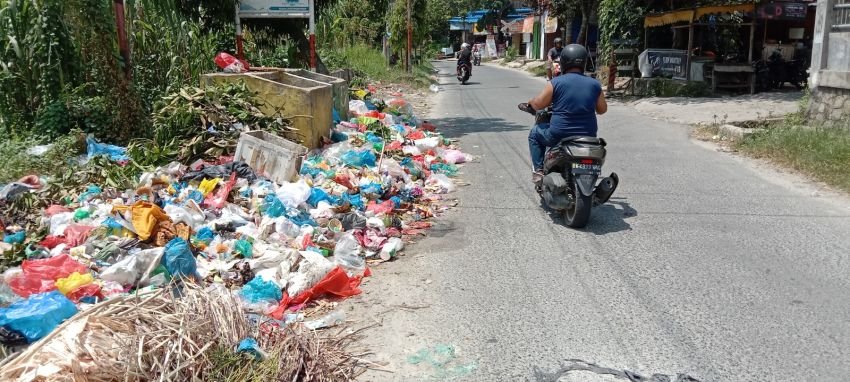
x=465 y=57
x=553 y=56
x=575 y=100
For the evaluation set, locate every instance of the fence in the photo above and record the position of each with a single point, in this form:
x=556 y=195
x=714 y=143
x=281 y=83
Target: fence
x=841 y=16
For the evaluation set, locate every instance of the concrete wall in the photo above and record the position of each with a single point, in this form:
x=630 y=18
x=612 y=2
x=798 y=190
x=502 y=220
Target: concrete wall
x=829 y=75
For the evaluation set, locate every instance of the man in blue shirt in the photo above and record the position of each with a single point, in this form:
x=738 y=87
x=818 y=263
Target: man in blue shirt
x=576 y=100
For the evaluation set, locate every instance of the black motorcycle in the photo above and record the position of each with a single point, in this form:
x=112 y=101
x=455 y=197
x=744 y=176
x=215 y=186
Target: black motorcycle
x=571 y=170
x=464 y=70
x=762 y=74
x=782 y=71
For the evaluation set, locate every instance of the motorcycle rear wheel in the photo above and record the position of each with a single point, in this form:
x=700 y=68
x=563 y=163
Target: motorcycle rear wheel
x=577 y=215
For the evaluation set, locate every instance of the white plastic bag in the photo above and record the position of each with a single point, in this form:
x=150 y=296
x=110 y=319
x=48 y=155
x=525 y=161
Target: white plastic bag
x=311 y=270
x=357 y=107
x=411 y=150
x=192 y=218
x=446 y=184
x=454 y=157
x=426 y=144
x=133 y=268
x=393 y=168
x=293 y=195
x=391 y=248
x=347 y=255
x=59 y=222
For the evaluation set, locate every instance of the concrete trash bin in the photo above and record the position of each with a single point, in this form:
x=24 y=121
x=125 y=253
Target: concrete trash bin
x=307 y=103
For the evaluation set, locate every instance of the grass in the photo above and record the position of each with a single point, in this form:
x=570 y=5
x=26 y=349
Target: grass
x=370 y=63
x=17 y=163
x=538 y=71
x=822 y=153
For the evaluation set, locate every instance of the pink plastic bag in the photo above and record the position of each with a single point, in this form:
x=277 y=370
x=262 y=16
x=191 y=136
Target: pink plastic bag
x=76 y=234
x=219 y=199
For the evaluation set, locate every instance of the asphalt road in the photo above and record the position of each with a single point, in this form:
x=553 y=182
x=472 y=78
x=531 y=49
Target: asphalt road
x=702 y=263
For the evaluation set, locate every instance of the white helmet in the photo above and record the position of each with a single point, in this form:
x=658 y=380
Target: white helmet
x=464 y=46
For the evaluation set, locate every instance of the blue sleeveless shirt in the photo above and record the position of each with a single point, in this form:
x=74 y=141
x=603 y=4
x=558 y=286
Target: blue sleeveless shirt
x=574 y=105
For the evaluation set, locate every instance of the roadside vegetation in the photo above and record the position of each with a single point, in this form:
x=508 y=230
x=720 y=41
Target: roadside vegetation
x=820 y=152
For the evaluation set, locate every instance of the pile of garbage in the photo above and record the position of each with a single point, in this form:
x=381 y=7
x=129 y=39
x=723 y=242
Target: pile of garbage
x=277 y=248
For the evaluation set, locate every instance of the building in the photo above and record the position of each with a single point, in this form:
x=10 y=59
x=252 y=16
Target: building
x=829 y=78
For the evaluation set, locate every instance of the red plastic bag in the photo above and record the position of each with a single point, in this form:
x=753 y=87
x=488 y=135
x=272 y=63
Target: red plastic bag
x=55 y=209
x=428 y=126
x=336 y=283
x=378 y=209
x=415 y=134
x=51 y=242
x=76 y=234
x=31 y=180
x=394 y=146
x=231 y=64
x=88 y=290
x=40 y=275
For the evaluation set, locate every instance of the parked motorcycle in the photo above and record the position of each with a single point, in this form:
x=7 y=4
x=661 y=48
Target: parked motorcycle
x=762 y=74
x=464 y=70
x=571 y=170
x=782 y=71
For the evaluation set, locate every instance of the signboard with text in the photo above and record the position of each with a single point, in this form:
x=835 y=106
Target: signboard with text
x=664 y=63
x=782 y=11
x=274 y=8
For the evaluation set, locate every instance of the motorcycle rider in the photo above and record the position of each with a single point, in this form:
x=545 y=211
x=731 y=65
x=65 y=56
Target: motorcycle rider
x=464 y=58
x=553 y=55
x=575 y=99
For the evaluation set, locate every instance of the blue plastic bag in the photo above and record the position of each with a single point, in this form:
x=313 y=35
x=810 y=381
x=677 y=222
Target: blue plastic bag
x=90 y=191
x=250 y=346
x=371 y=137
x=372 y=188
x=335 y=116
x=355 y=200
x=258 y=290
x=38 y=315
x=337 y=137
x=196 y=195
x=114 y=153
x=396 y=201
x=365 y=158
x=178 y=259
x=301 y=218
x=317 y=195
x=272 y=206
x=244 y=248
x=205 y=235
x=15 y=238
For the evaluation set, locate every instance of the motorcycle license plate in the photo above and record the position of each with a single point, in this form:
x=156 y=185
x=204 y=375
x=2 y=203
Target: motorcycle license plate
x=590 y=167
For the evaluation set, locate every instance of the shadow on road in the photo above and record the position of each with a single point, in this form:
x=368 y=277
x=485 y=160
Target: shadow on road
x=611 y=217
x=461 y=126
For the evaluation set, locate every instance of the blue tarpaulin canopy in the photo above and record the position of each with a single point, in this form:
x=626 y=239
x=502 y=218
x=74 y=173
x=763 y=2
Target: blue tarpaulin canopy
x=465 y=23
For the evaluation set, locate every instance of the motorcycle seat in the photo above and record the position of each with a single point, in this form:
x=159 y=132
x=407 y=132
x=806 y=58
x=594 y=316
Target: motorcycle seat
x=583 y=140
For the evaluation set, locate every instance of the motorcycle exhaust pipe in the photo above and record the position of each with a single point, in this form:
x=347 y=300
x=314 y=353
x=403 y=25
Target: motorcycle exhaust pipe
x=606 y=188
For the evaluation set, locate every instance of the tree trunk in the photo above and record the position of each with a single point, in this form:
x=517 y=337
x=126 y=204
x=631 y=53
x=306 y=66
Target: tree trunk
x=582 y=32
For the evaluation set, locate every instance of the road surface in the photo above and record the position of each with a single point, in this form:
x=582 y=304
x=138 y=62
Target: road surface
x=702 y=263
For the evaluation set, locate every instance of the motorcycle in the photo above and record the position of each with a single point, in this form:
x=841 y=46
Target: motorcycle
x=476 y=58
x=782 y=71
x=556 y=69
x=762 y=74
x=463 y=72
x=571 y=170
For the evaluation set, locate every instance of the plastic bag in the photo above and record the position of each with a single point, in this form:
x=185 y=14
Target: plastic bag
x=386 y=207
x=115 y=153
x=336 y=283
x=411 y=150
x=133 y=268
x=293 y=195
x=453 y=157
x=347 y=255
x=178 y=258
x=312 y=268
x=331 y=319
x=356 y=159
x=59 y=222
x=76 y=234
x=38 y=315
x=230 y=64
x=188 y=215
x=40 y=275
x=443 y=168
x=258 y=290
x=244 y=248
x=73 y=282
x=219 y=199
x=392 y=168
x=426 y=144
x=443 y=181
x=55 y=209
x=357 y=107
x=145 y=216
x=208 y=185
x=355 y=200
x=250 y=346
x=318 y=195
x=15 y=238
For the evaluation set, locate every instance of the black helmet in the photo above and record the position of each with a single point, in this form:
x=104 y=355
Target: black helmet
x=573 y=56
x=558 y=40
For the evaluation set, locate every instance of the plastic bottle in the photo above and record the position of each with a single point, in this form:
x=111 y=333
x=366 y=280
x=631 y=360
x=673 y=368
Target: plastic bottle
x=331 y=319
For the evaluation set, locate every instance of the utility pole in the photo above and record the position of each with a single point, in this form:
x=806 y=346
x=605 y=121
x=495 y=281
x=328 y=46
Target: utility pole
x=409 y=38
